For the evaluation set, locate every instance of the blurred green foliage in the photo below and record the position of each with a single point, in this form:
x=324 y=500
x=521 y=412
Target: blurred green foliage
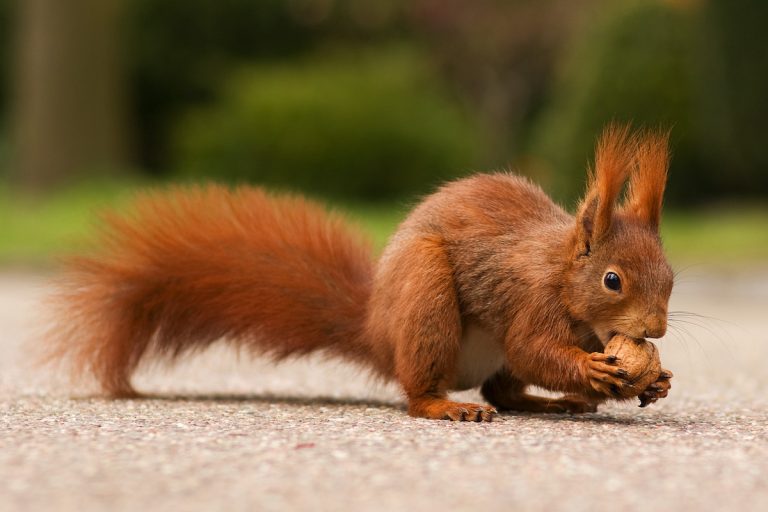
x=417 y=91
x=734 y=89
x=667 y=65
x=179 y=51
x=724 y=235
x=6 y=33
x=36 y=229
x=367 y=124
x=5 y=64
x=632 y=63
x=4 y=79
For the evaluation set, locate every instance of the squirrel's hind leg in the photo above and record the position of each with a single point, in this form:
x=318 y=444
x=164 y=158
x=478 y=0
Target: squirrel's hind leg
x=507 y=393
x=425 y=325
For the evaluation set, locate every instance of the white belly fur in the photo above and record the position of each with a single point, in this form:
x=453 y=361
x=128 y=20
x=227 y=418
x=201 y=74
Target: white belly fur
x=481 y=356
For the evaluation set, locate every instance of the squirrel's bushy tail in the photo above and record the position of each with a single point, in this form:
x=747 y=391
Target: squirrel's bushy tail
x=190 y=266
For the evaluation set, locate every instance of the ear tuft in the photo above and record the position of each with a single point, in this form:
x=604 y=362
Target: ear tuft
x=645 y=195
x=614 y=155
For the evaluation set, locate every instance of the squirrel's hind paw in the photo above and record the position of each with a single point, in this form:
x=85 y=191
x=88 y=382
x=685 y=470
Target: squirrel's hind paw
x=443 y=409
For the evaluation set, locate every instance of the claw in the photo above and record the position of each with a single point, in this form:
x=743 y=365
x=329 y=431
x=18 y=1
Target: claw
x=606 y=378
x=487 y=414
x=646 y=399
x=656 y=390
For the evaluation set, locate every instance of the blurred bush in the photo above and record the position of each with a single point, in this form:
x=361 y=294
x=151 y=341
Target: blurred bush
x=5 y=73
x=633 y=63
x=227 y=88
x=179 y=51
x=699 y=68
x=734 y=90
x=6 y=13
x=366 y=124
x=499 y=55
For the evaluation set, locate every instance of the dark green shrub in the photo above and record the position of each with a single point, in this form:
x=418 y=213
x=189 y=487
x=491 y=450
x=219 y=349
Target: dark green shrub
x=633 y=63
x=734 y=86
x=5 y=58
x=179 y=51
x=5 y=78
x=368 y=124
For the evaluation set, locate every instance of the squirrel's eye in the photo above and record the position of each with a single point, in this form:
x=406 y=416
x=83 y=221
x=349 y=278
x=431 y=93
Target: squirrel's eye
x=612 y=281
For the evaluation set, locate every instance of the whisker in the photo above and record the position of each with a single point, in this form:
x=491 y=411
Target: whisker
x=681 y=337
x=689 y=337
x=718 y=336
x=706 y=317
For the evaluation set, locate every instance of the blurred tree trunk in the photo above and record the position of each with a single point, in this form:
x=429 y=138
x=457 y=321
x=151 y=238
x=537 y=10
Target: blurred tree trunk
x=69 y=117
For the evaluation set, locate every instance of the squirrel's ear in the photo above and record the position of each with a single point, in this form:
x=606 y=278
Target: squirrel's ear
x=648 y=179
x=613 y=158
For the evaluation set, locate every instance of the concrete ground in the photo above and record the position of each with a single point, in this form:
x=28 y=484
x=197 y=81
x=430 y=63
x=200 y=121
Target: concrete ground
x=223 y=433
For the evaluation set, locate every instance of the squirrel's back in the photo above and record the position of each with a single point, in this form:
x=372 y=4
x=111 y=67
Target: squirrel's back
x=483 y=206
x=485 y=223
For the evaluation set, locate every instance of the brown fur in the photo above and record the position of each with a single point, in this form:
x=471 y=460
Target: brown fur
x=192 y=266
x=279 y=276
x=649 y=177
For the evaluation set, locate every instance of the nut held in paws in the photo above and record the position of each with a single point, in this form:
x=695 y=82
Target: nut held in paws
x=639 y=358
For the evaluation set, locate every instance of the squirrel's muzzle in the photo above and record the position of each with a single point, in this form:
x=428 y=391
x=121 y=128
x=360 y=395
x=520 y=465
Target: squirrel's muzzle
x=655 y=326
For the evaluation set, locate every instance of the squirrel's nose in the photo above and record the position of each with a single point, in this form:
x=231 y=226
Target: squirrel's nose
x=655 y=326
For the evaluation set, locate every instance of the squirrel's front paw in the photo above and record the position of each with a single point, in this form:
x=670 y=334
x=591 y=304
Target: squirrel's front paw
x=606 y=377
x=658 y=389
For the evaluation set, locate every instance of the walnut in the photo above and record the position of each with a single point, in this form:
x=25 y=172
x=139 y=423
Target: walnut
x=639 y=358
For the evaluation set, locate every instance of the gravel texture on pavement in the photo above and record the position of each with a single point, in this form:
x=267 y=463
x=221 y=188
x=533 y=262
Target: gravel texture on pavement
x=223 y=432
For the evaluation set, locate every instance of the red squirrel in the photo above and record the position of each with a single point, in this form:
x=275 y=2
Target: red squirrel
x=486 y=283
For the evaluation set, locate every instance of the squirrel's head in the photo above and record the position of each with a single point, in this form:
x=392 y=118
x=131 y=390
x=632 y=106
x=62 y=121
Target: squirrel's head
x=618 y=278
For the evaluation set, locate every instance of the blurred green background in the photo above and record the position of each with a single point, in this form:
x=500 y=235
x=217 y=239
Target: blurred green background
x=370 y=104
